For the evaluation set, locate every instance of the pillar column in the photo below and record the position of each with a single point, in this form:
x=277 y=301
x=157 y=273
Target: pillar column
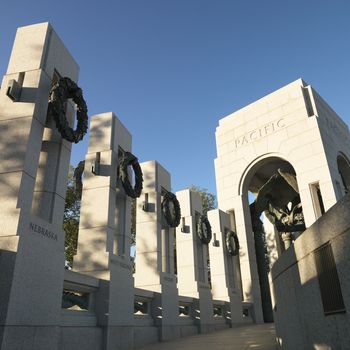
x=155 y=250
x=192 y=257
x=224 y=268
x=34 y=162
x=105 y=232
x=248 y=263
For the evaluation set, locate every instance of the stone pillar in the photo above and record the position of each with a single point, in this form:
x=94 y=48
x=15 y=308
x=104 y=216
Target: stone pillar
x=192 y=257
x=34 y=162
x=248 y=262
x=105 y=232
x=224 y=268
x=155 y=250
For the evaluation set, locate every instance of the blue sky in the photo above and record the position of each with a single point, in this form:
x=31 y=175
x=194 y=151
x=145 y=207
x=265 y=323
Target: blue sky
x=171 y=69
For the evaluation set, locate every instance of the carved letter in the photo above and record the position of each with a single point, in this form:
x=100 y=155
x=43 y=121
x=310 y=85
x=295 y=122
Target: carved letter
x=280 y=123
x=251 y=135
x=266 y=128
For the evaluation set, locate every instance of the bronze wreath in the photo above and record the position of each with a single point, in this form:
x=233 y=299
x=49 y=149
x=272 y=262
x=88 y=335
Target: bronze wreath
x=128 y=159
x=141 y=307
x=70 y=299
x=204 y=229
x=64 y=89
x=172 y=217
x=232 y=243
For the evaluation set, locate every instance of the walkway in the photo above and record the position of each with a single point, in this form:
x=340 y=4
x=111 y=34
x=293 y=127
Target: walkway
x=247 y=337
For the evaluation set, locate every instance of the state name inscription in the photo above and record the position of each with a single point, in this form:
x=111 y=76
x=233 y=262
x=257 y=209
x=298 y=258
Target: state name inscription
x=43 y=231
x=256 y=134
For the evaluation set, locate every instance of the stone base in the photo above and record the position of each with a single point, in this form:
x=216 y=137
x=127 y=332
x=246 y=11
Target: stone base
x=186 y=331
x=145 y=335
x=165 y=309
x=205 y=328
x=167 y=333
x=235 y=310
x=220 y=326
x=29 y=338
x=119 y=337
x=84 y=338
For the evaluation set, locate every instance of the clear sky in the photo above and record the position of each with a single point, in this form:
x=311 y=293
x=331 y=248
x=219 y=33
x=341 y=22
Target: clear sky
x=170 y=69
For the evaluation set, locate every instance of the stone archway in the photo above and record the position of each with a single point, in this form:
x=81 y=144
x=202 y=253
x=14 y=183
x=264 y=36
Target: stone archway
x=344 y=171
x=292 y=125
x=272 y=183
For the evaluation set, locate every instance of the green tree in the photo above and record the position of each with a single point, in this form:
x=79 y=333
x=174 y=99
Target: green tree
x=133 y=221
x=208 y=199
x=71 y=217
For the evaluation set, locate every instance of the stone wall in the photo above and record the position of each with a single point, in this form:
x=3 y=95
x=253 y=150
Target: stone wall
x=82 y=327
x=300 y=319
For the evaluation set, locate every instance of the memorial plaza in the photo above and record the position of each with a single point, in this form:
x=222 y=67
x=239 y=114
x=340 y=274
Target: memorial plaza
x=267 y=268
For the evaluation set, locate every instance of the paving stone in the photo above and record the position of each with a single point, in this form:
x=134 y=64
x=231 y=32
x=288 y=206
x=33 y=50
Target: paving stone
x=254 y=337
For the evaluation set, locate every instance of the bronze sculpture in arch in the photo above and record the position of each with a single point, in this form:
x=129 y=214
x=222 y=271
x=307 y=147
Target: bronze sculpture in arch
x=344 y=171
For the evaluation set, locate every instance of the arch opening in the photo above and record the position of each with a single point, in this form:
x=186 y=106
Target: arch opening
x=344 y=171
x=276 y=216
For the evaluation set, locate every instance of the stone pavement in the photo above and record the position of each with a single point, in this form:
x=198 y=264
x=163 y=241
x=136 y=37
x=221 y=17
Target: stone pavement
x=254 y=337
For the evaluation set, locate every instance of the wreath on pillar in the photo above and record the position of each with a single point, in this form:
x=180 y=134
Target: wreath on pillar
x=171 y=209
x=60 y=92
x=127 y=159
x=204 y=229
x=232 y=243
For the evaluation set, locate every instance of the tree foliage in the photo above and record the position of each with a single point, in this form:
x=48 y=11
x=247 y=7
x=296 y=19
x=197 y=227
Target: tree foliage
x=71 y=217
x=133 y=221
x=208 y=199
